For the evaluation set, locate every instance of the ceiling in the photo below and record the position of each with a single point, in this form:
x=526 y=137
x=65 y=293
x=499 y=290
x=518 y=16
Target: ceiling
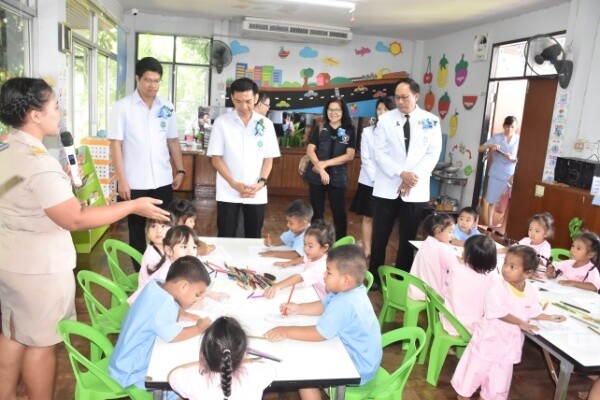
x=406 y=19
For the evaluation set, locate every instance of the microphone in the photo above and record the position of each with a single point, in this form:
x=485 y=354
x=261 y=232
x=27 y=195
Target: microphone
x=67 y=141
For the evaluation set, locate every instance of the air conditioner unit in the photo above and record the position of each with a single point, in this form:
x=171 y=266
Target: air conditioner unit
x=257 y=28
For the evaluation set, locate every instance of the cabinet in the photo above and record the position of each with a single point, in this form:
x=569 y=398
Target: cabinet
x=90 y=194
x=189 y=165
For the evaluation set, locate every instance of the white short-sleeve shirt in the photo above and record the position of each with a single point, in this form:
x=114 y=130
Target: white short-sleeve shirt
x=144 y=133
x=243 y=149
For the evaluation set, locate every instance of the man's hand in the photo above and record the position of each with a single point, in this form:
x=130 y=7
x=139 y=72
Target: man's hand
x=177 y=181
x=124 y=190
x=324 y=177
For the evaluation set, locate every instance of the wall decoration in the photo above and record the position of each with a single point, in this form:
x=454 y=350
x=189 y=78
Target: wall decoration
x=330 y=61
x=283 y=53
x=381 y=47
x=308 y=52
x=442 y=78
x=481 y=47
x=362 y=51
x=460 y=71
x=238 y=48
x=395 y=48
x=461 y=156
x=429 y=100
x=428 y=75
x=469 y=101
x=443 y=105
x=453 y=124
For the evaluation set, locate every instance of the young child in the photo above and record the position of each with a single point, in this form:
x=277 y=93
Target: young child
x=155 y=233
x=156 y=313
x=179 y=241
x=298 y=215
x=476 y=273
x=434 y=258
x=223 y=370
x=183 y=212
x=346 y=312
x=466 y=226
x=541 y=227
x=497 y=341
x=318 y=239
x=581 y=270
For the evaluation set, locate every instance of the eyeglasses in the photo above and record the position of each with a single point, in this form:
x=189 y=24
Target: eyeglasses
x=265 y=104
x=403 y=98
x=334 y=110
x=151 y=81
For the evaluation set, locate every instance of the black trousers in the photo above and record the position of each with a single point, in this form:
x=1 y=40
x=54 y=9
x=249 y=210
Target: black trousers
x=228 y=216
x=337 y=202
x=137 y=224
x=385 y=213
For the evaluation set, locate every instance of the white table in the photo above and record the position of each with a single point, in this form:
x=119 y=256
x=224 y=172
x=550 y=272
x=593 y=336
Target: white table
x=304 y=364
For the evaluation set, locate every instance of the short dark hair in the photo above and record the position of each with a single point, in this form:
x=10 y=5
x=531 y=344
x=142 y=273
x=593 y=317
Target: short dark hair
x=346 y=119
x=243 y=85
x=148 y=64
x=592 y=242
x=349 y=259
x=547 y=220
x=300 y=209
x=181 y=209
x=188 y=268
x=413 y=85
x=527 y=254
x=19 y=96
x=262 y=97
x=323 y=231
x=480 y=253
x=202 y=112
x=510 y=120
x=469 y=210
x=432 y=222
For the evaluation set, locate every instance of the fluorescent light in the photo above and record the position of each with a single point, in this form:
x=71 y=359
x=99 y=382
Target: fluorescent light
x=326 y=3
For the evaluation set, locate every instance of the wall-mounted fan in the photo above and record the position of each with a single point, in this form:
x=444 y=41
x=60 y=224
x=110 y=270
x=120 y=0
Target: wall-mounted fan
x=219 y=55
x=541 y=51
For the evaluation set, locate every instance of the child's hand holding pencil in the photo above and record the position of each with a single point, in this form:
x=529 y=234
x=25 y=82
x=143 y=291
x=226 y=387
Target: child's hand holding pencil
x=289 y=309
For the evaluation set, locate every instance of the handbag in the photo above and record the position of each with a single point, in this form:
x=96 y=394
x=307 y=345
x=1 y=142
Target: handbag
x=502 y=203
x=303 y=165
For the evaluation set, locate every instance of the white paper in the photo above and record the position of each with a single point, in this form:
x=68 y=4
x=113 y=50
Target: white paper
x=595 y=189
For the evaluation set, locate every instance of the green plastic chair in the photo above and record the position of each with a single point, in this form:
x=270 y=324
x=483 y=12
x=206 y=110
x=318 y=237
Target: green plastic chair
x=394 y=287
x=106 y=319
x=559 y=254
x=442 y=340
x=388 y=385
x=368 y=280
x=92 y=379
x=345 y=240
x=112 y=247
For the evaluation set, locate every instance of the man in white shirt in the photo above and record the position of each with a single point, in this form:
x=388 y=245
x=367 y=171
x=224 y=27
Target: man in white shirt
x=242 y=146
x=143 y=135
x=405 y=155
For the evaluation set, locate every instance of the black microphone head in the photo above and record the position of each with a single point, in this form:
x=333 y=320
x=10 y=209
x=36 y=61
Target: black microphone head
x=66 y=139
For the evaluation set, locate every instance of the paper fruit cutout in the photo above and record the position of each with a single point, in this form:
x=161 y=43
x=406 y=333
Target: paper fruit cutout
x=429 y=100
x=460 y=71
x=428 y=75
x=469 y=101
x=453 y=124
x=468 y=170
x=283 y=53
x=443 y=105
x=442 y=78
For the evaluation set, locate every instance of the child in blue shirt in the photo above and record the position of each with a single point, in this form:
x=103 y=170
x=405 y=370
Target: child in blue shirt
x=298 y=215
x=465 y=227
x=156 y=312
x=345 y=312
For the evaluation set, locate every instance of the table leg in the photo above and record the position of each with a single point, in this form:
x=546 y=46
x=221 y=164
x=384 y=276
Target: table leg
x=340 y=393
x=563 y=380
x=159 y=395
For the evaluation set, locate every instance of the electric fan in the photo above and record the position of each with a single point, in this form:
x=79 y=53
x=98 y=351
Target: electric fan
x=219 y=55
x=543 y=51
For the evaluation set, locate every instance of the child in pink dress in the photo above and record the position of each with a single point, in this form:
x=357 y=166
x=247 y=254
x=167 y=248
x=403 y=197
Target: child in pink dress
x=541 y=227
x=497 y=341
x=318 y=239
x=581 y=270
x=477 y=273
x=435 y=256
x=155 y=233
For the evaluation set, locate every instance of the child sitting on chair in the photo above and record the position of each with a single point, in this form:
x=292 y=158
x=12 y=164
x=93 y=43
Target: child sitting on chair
x=581 y=271
x=156 y=313
x=223 y=370
x=465 y=227
x=183 y=212
x=298 y=215
x=346 y=312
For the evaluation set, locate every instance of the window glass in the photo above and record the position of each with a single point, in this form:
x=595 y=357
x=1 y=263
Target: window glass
x=79 y=18
x=192 y=50
x=81 y=90
x=102 y=95
x=157 y=46
x=107 y=34
x=190 y=94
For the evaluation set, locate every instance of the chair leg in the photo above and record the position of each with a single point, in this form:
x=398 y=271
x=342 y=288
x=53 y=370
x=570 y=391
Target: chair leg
x=437 y=357
x=425 y=351
x=390 y=316
x=382 y=313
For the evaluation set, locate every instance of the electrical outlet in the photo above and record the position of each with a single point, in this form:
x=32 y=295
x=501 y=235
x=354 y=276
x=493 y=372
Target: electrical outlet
x=579 y=145
x=539 y=191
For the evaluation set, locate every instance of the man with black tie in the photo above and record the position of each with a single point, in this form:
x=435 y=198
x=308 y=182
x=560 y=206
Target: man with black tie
x=407 y=145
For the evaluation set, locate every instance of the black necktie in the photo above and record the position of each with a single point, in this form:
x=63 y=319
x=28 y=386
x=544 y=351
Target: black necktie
x=407 y=131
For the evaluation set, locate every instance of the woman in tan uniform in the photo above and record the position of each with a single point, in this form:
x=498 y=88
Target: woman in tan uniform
x=37 y=256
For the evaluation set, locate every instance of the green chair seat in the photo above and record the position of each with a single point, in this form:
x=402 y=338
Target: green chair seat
x=559 y=254
x=112 y=247
x=345 y=240
x=368 y=280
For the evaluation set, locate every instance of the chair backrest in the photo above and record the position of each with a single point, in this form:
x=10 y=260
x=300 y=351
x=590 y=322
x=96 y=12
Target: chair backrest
x=559 y=254
x=413 y=338
x=395 y=282
x=435 y=307
x=72 y=330
x=112 y=247
x=368 y=280
x=345 y=240
x=96 y=309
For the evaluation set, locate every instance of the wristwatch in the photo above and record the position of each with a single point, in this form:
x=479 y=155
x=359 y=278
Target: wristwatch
x=263 y=180
x=181 y=171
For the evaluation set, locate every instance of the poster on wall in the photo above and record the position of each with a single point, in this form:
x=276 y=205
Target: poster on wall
x=481 y=47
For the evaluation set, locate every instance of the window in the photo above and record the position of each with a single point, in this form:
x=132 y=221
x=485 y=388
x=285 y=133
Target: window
x=186 y=72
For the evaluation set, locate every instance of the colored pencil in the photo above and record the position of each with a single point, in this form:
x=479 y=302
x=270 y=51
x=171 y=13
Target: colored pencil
x=256 y=337
x=250 y=295
x=594 y=330
x=289 y=299
x=576 y=307
x=261 y=354
x=584 y=321
x=545 y=306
